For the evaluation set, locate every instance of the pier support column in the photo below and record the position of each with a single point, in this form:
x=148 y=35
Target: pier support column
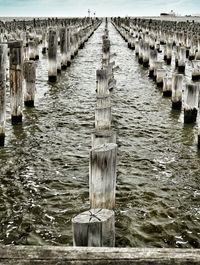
x=177 y=85
x=191 y=100
x=102 y=176
x=16 y=76
x=52 y=55
x=30 y=77
x=3 y=51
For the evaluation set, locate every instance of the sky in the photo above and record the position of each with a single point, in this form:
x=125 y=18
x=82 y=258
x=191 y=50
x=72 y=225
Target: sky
x=68 y=8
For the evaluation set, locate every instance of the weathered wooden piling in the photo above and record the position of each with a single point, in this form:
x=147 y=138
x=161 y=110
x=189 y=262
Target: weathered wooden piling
x=197 y=55
x=146 y=55
x=167 y=86
x=63 y=48
x=37 y=42
x=152 y=59
x=181 y=60
x=44 y=42
x=59 y=63
x=196 y=70
x=3 y=51
x=94 y=228
x=52 y=55
x=177 y=84
x=191 y=100
x=16 y=75
x=32 y=48
x=68 y=46
x=102 y=82
x=137 y=47
x=157 y=65
x=160 y=74
x=106 y=50
x=102 y=176
x=103 y=118
x=192 y=52
x=141 y=49
x=169 y=48
x=30 y=78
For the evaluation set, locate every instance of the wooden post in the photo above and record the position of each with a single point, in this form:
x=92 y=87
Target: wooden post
x=52 y=55
x=167 y=87
x=32 y=48
x=152 y=59
x=102 y=176
x=192 y=52
x=197 y=55
x=3 y=51
x=136 y=48
x=106 y=50
x=191 y=99
x=103 y=137
x=16 y=75
x=30 y=77
x=160 y=74
x=177 y=84
x=177 y=55
x=63 y=48
x=141 y=49
x=103 y=118
x=68 y=47
x=94 y=228
x=44 y=42
x=157 y=65
x=72 y=41
x=169 y=52
x=37 y=42
x=146 y=55
x=59 y=63
x=102 y=82
x=181 y=60
x=196 y=70
x=165 y=52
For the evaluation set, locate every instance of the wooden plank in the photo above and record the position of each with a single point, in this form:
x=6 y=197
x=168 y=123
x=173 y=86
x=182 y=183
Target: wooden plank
x=97 y=256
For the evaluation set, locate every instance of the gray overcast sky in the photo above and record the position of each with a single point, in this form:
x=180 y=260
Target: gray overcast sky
x=101 y=7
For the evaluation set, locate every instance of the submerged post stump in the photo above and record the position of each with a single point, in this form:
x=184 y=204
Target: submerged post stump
x=52 y=55
x=16 y=75
x=94 y=228
x=30 y=77
x=3 y=50
x=191 y=103
x=102 y=176
x=177 y=84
